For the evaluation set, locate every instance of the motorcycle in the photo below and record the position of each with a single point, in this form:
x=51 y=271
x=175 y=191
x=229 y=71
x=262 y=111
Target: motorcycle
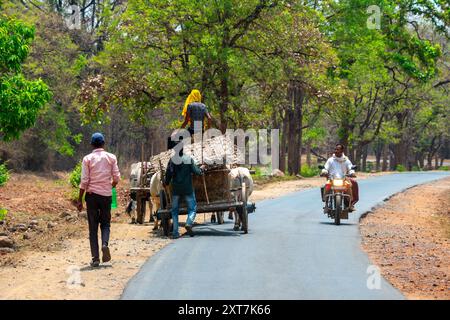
x=336 y=196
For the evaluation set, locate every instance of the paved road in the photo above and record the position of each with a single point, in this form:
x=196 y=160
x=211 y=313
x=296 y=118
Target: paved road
x=292 y=251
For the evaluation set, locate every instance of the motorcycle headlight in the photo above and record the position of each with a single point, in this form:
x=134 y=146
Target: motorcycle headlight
x=338 y=183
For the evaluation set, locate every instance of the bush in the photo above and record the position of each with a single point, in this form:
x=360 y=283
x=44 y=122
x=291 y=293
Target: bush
x=445 y=168
x=307 y=171
x=258 y=172
x=75 y=176
x=3 y=213
x=4 y=174
x=400 y=168
x=416 y=168
x=370 y=167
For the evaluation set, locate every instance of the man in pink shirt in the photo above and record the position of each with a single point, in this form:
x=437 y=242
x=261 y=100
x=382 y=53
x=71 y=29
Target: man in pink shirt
x=99 y=174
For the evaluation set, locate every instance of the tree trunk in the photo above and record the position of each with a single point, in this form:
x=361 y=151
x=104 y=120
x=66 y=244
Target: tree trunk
x=385 y=157
x=392 y=160
x=400 y=155
x=358 y=155
x=308 y=154
x=295 y=116
x=430 y=161
x=378 y=153
x=224 y=97
x=283 y=144
x=364 y=158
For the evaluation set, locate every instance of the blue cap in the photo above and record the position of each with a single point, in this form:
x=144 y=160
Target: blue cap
x=97 y=138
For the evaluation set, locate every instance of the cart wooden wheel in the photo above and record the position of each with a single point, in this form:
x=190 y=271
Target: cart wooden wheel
x=140 y=209
x=244 y=208
x=165 y=221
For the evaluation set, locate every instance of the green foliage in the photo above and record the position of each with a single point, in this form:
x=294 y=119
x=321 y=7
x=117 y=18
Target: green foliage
x=15 y=40
x=75 y=176
x=400 y=168
x=314 y=135
x=3 y=213
x=369 y=166
x=4 y=174
x=258 y=173
x=224 y=48
x=309 y=172
x=360 y=86
x=20 y=99
x=373 y=62
x=444 y=168
x=416 y=168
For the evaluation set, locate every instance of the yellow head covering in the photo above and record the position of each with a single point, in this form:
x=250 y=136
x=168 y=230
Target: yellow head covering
x=195 y=96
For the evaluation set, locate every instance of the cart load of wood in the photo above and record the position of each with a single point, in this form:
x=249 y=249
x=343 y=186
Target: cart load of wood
x=214 y=153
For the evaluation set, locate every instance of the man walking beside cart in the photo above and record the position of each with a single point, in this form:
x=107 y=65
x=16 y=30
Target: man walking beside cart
x=179 y=173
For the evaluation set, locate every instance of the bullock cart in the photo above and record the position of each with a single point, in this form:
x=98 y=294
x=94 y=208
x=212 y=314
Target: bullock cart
x=214 y=191
x=213 y=194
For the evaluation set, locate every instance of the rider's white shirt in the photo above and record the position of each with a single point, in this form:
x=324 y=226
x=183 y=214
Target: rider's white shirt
x=338 y=167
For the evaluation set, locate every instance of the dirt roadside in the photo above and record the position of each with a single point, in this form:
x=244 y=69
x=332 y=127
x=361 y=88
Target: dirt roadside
x=51 y=240
x=408 y=238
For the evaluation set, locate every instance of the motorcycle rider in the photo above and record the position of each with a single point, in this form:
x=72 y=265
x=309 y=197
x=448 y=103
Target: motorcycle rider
x=339 y=166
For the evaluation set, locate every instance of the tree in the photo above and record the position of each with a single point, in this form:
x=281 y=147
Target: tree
x=380 y=65
x=20 y=99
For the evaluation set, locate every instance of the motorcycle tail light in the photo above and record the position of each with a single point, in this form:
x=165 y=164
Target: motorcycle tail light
x=328 y=186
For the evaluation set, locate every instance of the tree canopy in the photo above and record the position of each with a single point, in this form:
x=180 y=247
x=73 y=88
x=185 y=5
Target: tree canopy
x=373 y=75
x=20 y=99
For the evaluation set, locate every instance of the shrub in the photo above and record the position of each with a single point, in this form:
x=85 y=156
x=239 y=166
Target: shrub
x=416 y=168
x=4 y=174
x=369 y=166
x=75 y=176
x=3 y=213
x=400 y=168
x=445 y=168
x=258 y=172
x=307 y=171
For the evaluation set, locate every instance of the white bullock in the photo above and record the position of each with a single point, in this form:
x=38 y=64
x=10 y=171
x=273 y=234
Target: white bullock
x=155 y=188
x=236 y=176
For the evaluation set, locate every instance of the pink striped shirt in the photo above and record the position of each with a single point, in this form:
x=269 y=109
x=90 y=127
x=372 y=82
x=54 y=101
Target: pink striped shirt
x=99 y=170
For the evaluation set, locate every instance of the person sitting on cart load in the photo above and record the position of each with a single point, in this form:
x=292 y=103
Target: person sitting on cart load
x=338 y=166
x=195 y=112
x=180 y=176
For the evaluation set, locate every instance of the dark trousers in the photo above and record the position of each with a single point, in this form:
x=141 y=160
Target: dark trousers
x=98 y=212
x=355 y=191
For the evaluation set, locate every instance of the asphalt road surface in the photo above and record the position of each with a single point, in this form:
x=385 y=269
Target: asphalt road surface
x=292 y=251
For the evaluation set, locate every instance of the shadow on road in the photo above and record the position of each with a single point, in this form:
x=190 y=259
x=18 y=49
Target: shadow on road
x=344 y=224
x=211 y=232
x=102 y=266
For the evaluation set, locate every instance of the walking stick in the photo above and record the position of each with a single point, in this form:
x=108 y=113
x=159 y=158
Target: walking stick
x=204 y=185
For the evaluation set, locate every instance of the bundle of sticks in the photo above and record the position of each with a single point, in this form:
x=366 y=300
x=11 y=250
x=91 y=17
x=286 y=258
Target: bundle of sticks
x=214 y=153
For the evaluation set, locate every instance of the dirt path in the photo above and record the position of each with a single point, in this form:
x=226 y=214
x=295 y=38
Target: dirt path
x=65 y=274
x=51 y=258
x=409 y=239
